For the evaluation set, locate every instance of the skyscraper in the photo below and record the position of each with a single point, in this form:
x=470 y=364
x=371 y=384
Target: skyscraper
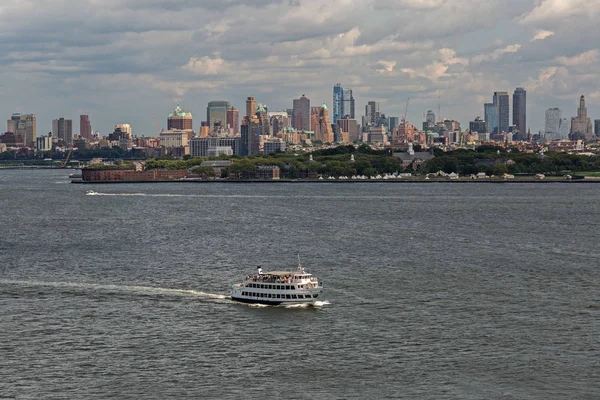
x=430 y=119
x=372 y=113
x=581 y=124
x=216 y=113
x=350 y=126
x=325 y=125
x=564 y=130
x=502 y=102
x=233 y=121
x=63 y=129
x=250 y=106
x=343 y=103
x=490 y=114
x=597 y=127
x=179 y=120
x=85 y=127
x=338 y=102
x=302 y=114
x=552 y=123
x=250 y=132
x=520 y=110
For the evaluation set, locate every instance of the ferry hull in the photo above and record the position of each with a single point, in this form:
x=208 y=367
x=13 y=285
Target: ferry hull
x=271 y=302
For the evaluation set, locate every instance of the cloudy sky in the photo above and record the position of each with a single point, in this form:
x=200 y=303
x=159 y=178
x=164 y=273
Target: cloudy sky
x=125 y=60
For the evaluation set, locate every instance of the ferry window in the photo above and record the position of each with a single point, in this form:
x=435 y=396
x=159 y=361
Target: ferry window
x=294 y=296
x=287 y=296
x=315 y=295
x=300 y=296
x=276 y=287
x=270 y=286
x=269 y=295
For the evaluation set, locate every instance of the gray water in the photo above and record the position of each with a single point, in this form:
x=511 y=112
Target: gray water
x=441 y=291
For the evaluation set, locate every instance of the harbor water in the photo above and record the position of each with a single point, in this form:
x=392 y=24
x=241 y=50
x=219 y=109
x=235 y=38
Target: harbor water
x=470 y=291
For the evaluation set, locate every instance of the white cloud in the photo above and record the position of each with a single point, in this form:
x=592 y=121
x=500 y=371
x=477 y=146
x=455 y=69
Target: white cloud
x=587 y=58
x=541 y=34
x=496 y=54
x=555 y=10
x=206 y=65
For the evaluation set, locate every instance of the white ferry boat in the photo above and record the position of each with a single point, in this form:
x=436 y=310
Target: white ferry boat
x=278 y=287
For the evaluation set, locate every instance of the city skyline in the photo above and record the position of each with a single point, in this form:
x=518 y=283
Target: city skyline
x=115 y=71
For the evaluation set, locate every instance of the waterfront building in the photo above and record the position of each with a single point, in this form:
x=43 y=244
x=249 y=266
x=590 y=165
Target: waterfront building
x=520 y=110
x=179 y=119
x=479 y=125
x=205 y=147
x=552 y=123
x=273 y=146
x=26 y=125
x=502 y=102
x=216 y=113
x=582 y=124
x=63 y=129
x=12 y=139
x=233 y=121
x=85 y=127
x=302 y=114
x=491 y=117
x=44 y=143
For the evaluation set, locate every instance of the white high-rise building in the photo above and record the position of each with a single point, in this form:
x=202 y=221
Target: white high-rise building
x=564 y=129
x=553 y=117
x=125 y=128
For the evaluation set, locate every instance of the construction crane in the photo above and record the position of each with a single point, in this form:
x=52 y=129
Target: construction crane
x=64 y=163
x=406 y=111
x=156 y=123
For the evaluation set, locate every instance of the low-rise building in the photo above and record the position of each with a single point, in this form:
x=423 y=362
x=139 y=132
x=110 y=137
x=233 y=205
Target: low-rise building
x=268 y=172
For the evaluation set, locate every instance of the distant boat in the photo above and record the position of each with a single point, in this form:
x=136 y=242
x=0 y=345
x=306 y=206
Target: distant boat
x=278 y=287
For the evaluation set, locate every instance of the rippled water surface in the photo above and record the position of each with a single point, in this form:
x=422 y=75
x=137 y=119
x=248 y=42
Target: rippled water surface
x=431 y=291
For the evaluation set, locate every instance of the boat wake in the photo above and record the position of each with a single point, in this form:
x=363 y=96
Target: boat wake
x=316 y=304
x=141 y=290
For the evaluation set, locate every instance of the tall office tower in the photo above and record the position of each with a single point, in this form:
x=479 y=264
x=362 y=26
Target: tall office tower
x=349 y=125
x=325 y=125
x=338 y=102
x=490 y=114
x=302 y=114
x=26 y=125
x=372 y=113
x=564 y=130
x=552 y=123
x=263 y=120
x=85 y=126
x=179 y=120
x=502 y=102
x=430 y=119
x=250 y=133
x=315 y=114
x=250 y=106
x=216 y=113
x=63 y=129
x=233 y=121
x=520 y=110
x=394 y=122
x=597 y=127
x=343 y=103
x=290 y=112
x=348 y=103
x=581 y=124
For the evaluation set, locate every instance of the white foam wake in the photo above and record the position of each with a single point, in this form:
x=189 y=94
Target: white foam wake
x=116 y=288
